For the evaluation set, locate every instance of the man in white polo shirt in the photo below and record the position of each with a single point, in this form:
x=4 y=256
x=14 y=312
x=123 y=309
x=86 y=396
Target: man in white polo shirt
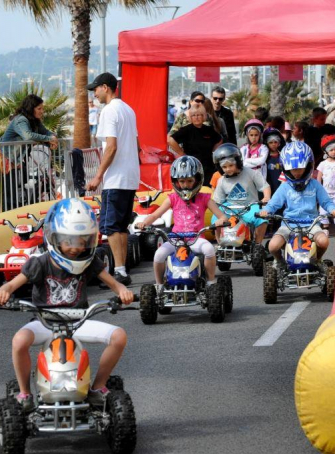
x=119 y=170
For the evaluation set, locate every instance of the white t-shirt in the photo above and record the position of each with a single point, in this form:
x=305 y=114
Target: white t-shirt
x=93 y=116
x=328 y=176
x=118 y=120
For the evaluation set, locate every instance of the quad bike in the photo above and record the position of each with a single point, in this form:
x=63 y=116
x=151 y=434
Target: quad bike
x=27 y=242
x=237 y=242
x=104 y=250
x=300 y=257
x=149 y=242
x=185 y=282
x=60 y=387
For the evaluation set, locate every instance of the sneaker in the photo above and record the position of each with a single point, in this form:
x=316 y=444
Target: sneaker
x=125 y=280
x=27 y=402
x=320 y=266
x=159 y=288
x=279 y=264
x=97 y=397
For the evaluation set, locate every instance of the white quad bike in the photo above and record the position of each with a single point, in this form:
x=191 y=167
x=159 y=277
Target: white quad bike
x=149 y=242
x=27 y=242
x=237 y=242
x=60 y=386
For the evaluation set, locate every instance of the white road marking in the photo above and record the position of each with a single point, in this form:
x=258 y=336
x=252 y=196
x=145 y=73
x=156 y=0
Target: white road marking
x=280 y=326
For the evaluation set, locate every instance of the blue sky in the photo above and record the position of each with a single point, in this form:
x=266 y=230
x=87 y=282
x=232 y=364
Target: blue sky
x=19 y=30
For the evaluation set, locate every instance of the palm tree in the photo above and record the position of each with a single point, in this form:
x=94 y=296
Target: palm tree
x=277 y=103
x=243 y=104
x=82 y=12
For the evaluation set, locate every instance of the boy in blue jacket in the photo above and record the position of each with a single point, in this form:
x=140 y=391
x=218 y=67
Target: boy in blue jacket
x=300 y=196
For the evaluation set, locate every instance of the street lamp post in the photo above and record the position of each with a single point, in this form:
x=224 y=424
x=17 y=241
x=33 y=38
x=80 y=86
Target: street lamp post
x=102 y=11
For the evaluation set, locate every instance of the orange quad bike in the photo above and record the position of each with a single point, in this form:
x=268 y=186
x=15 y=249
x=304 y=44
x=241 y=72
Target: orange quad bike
x=60 y=387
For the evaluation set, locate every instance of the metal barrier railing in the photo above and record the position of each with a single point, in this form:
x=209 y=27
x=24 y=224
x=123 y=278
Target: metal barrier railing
x=31 y=172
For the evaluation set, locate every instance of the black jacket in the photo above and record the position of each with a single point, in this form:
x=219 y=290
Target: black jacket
x=228 y=118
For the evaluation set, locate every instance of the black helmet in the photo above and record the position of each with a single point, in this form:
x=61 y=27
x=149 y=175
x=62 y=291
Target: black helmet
x=227 y=152
x=187 y=167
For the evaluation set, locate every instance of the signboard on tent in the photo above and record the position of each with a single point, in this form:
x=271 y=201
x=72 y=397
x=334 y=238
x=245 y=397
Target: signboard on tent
x=291 y=72
x=207 y=74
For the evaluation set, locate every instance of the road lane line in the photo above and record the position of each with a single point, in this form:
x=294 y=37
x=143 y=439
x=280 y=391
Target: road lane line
x=280 y=326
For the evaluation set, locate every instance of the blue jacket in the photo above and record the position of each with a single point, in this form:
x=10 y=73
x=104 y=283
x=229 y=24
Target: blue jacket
x=300 y=205
x=19 y=129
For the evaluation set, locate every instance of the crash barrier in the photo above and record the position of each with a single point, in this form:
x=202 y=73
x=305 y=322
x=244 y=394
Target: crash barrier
x=32 y=173
x=314 y=388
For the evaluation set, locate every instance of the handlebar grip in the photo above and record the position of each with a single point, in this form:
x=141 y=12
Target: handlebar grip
x=22 y=216
x=43 y=212
x=88 y=197
x=2 y=221
x=257 y=215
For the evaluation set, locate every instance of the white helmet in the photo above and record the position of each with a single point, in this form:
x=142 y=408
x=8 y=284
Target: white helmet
x=187 y=167
x=74 y=222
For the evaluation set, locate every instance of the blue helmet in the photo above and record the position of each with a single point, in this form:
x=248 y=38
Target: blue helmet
x=297 y=155
x=71 y=222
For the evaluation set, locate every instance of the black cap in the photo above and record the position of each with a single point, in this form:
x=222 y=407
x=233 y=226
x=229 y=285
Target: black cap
x=102 y=79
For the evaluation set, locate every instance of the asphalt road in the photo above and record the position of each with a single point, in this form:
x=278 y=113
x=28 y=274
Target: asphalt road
x=199 y=387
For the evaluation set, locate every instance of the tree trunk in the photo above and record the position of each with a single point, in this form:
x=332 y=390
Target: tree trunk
x=81 y=28
x=277 y=98
x=253 y=80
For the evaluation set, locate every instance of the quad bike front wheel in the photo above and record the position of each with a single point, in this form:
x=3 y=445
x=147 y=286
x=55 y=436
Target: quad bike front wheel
x=224 y=266
x=12 y=388
x=13 y=432
x=257 y=259
x=227 y=288
x=330 y=282
x=121 y=432
x=216 y=303
x=270 y=284
x=115 y=383
x=148 y=306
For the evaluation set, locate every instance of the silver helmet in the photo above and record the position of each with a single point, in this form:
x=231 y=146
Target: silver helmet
x=187 y=167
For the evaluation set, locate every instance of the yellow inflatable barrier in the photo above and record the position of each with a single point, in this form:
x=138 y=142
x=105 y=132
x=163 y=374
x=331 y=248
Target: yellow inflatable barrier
x=315 y=388
x=6 y=233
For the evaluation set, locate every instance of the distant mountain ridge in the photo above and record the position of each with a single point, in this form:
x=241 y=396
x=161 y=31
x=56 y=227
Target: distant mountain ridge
x=57 y=64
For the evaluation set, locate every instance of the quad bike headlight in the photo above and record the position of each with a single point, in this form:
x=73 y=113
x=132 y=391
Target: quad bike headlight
x=301 y=257
x=63 y=381
x=181 y=272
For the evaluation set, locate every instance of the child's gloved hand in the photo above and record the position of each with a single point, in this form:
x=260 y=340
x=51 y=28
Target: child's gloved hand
x=126 y=295
x=4 y=297
x=220 y=221
x=140 y=225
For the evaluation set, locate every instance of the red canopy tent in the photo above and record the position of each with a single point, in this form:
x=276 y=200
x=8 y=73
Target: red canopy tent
x=220 y=33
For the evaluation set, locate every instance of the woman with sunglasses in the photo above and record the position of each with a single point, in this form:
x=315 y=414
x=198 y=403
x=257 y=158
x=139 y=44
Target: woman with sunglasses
x=183 y=119
x=198 y=140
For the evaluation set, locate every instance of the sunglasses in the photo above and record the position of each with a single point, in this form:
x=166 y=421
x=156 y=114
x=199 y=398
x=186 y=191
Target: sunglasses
x=218 y=99
x=199 y=100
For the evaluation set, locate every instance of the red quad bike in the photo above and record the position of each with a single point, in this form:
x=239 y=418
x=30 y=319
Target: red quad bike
x=133 y=253
x=149 y=242
x=27 y=242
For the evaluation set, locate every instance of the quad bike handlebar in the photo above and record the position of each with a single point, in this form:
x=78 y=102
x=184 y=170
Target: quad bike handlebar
x=239 y=210
x=148 y=198
x=24 y=216
x=300 y=224
x=185 y=237
x=67 y=316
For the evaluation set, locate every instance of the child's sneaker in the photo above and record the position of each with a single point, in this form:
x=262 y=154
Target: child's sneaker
x=27 y=402
x=97 y=397
x=279 y=265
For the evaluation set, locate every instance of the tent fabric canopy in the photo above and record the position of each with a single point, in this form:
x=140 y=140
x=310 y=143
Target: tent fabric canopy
x=220 y=33
x=238 y=33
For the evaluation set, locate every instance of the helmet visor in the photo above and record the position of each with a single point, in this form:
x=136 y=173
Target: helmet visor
x=83 y=242
x=224 y=161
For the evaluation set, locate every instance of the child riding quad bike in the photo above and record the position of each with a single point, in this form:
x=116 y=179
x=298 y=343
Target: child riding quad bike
x=237 y=242
x=299 y=196
x=61 y=386
x=185 y=282
x=239 y=187
x=301 y=269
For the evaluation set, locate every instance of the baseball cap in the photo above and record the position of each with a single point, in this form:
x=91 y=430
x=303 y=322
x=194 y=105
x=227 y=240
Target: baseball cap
x=104 y=78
